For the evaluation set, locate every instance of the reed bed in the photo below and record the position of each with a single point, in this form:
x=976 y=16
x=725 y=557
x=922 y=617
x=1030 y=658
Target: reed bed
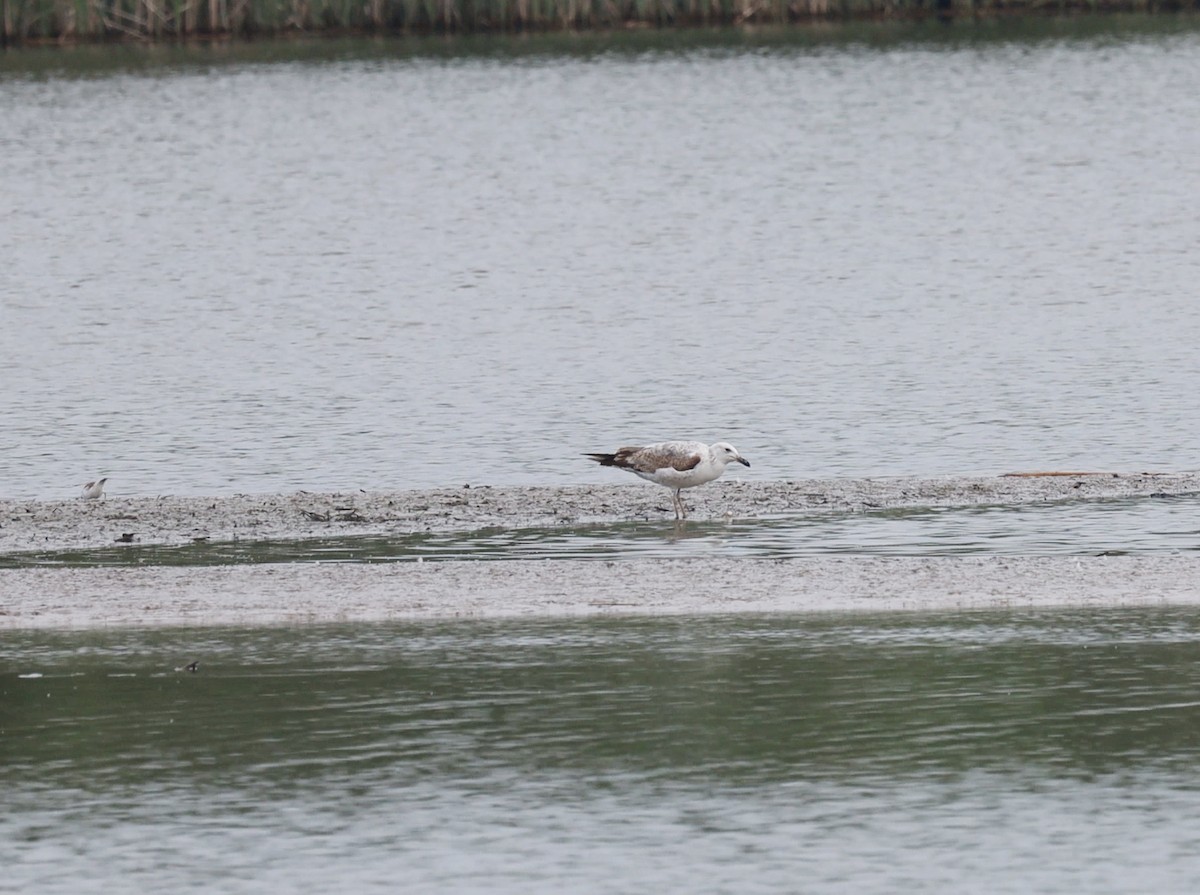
x=66 y=20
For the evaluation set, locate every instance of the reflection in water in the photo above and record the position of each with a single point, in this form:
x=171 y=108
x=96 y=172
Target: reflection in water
x=1117 y=526
x=691 y=753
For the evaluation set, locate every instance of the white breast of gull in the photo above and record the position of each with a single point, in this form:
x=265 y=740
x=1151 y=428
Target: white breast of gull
x=674 y=464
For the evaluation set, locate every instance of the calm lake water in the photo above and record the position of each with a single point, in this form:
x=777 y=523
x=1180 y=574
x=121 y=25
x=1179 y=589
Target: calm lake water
x=983 y=752
x=386 y=265
x=852 y=251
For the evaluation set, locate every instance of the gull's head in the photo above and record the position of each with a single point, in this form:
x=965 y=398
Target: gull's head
x=726 y=453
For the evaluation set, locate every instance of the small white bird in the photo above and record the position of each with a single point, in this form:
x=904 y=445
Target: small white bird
x=675 y=464
x=93 y=490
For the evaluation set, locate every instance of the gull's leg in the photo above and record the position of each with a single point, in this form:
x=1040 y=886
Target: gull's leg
x=680 y=509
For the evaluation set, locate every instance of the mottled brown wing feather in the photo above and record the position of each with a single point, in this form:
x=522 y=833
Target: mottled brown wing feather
x=648 y=460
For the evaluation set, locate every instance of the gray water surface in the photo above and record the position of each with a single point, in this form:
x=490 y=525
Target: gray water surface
x=1047 y=751
x=923 y=252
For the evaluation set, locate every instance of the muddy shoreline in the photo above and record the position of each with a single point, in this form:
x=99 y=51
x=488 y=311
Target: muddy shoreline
x=27 y=526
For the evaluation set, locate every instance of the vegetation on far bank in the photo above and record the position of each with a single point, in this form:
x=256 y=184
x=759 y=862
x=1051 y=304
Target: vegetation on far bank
x=94 y=20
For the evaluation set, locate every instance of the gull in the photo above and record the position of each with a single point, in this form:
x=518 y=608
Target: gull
x=92 y=490
x=675 y=464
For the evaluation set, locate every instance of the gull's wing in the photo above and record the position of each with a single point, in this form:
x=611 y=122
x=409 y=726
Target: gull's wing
x=678 y=455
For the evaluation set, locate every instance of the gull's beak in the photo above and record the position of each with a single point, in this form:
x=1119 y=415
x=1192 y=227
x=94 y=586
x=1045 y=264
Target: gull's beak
x=743 y=461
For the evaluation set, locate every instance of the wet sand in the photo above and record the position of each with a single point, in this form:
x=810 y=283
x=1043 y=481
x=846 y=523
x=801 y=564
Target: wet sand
x=72 y=597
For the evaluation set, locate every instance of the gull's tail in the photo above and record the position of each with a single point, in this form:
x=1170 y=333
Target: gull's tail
x=604 y=459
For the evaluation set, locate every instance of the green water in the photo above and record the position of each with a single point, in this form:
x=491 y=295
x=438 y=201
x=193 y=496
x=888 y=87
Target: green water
x=981 y=752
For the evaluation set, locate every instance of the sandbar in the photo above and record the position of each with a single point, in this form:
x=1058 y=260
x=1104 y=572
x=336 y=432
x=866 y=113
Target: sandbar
x=73 y=596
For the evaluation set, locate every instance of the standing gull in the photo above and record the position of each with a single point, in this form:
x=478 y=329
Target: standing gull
x=675 y=464
x=92 y=490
